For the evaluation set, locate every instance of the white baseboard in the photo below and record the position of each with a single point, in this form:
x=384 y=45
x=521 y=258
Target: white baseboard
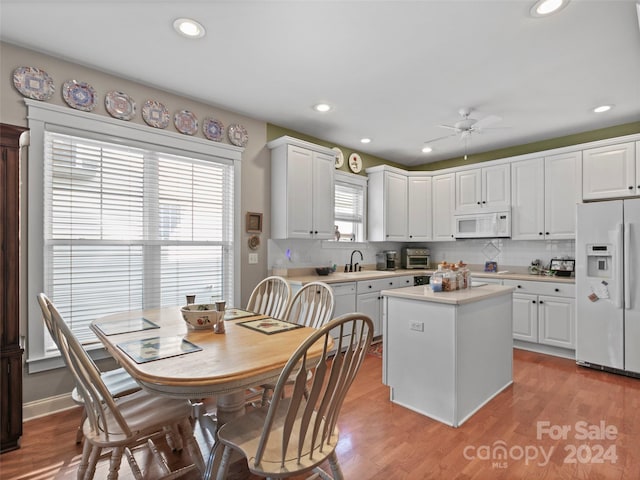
x=47 y=406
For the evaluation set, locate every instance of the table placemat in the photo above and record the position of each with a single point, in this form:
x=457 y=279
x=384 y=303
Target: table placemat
x=269 y=326
x=235 y=313
x=128 y=325
x=156 y=348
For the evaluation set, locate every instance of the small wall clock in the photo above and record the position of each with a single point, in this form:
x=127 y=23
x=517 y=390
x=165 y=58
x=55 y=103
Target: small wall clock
x=355 y=163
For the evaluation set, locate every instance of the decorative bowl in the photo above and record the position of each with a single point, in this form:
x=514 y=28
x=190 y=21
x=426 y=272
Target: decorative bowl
x=200 y=315
x=324 y=270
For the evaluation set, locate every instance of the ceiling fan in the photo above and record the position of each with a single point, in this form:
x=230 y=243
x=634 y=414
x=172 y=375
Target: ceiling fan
x=467 y=125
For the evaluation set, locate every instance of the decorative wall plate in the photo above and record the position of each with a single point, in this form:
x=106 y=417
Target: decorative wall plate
x=355 y=163
x=33 y=82
x=238 y=135
x=120 y=105
x=155 y=114
x=339 y=157
x=213 y=129
x=79 y=95
x=186 y=122
x=254 y=242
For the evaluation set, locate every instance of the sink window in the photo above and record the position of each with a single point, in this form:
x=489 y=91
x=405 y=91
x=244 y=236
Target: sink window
x=350 y=199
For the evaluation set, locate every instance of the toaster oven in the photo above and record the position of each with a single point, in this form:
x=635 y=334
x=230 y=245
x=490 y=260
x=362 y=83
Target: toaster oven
x=415 y=258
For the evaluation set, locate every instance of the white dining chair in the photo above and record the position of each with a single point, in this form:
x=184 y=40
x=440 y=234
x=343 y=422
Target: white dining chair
x=117 y=381
x=271 y=297
x=291 y=435
x=312 y=306
x=117 y=423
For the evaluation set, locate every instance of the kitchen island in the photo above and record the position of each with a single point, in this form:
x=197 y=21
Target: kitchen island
x=447 y=354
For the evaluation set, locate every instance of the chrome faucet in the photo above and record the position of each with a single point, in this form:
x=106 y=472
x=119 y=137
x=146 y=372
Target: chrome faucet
x=352 y=267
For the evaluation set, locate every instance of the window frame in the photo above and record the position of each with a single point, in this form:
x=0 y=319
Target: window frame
x=362 y=182
x=45 y=117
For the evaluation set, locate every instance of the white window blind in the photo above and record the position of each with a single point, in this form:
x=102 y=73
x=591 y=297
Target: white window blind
x=349 y=210
x=128 y=228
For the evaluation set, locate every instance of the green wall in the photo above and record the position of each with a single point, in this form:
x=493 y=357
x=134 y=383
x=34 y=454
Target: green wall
x=274 y=131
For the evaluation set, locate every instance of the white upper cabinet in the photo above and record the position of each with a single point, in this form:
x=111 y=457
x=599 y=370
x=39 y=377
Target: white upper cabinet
x=611 y=172
x=443 y=187
x=545 y=192
x=387 y=205
x=483 y=189
x=419 y=206
x=302 y=189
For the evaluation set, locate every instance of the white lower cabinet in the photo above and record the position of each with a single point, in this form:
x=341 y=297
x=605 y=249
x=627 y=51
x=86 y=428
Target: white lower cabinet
x=369 y=300
x=344 y=295
x=544 y=313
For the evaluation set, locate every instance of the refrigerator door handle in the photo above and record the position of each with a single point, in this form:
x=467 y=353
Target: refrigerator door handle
x=627 y=271
x=619 y=298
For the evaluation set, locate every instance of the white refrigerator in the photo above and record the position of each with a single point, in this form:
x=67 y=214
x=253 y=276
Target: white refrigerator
x=608 y=286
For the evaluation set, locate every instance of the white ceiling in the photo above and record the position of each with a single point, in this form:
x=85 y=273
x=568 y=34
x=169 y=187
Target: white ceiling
x=393 y=70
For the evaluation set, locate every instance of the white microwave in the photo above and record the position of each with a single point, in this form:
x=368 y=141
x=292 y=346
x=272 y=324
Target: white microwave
x=483 y=225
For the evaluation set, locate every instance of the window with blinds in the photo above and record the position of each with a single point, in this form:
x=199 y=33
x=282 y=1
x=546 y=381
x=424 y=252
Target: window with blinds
x=349 y=210
x=127 y=228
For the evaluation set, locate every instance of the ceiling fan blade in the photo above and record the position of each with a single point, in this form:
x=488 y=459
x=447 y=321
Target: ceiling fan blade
x=486 y=121
x=451 y=127
x=440 y=138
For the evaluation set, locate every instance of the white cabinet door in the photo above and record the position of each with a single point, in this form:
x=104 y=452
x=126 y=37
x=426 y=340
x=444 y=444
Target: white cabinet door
x=299 y=186
x=562 y=191
x=496 y=187
x=323 y=196
x=371 y=305
x=302 y=189
x=344 y=295
x=419 y=222
x=527 y=199
x=609 y=172
x=556 y=321
x=525 y=317
x=468 y=190
x=443 y=205
x=396 y=206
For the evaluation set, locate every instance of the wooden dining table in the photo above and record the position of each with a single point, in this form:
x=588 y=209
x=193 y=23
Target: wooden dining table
x=224 y=365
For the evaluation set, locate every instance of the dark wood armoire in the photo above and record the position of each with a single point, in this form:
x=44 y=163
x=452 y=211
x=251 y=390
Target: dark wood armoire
x=10 y=350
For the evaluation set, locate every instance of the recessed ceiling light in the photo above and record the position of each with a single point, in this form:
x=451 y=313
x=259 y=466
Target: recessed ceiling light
x=602 y=108
x=427 y=149
x=188 y=28
x=322 y=107
x=365 y=140
x=542 y=8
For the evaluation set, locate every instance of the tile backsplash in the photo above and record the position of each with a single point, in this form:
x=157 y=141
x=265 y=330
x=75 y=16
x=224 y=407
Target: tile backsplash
x=314 y=253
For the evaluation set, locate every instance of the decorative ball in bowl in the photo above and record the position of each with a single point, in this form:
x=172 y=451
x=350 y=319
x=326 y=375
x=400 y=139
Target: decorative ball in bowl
x=324 y=270
x=200 y=315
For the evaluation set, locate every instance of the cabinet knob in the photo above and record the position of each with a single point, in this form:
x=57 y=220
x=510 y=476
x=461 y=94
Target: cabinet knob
x=539 y=233
x=630 y=187
x=484 y=201
x=541 y=302
x=390 y=283
x=519 y=286
x=546 y=233
x=478 y=203
x=369 y=286
x=557 y=289
x=310 y=232
x=533 y=301
x=316 y=232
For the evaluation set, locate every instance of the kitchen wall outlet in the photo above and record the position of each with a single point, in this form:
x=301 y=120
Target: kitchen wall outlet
x=417 y=326
x=253 y=258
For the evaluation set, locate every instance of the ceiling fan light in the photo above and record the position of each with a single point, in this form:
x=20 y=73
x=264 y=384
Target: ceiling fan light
x=365 y=140
x=542 y=8
x=427 y=149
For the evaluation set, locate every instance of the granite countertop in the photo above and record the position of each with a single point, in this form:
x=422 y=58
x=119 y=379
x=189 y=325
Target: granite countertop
x=457 y=297
x=301 y=276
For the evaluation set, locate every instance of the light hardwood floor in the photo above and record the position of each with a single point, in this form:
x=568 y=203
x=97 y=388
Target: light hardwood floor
x=383 y=441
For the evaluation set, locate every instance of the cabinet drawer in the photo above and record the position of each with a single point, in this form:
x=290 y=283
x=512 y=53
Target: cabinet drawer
x=542 y=288
x=347 y=288
x=366 y=286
